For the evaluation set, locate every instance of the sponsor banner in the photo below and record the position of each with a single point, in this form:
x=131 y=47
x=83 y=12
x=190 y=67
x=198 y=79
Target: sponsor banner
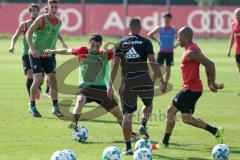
x=109 y=19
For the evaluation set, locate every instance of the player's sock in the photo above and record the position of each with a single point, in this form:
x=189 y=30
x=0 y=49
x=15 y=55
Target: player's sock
x=55 y=103
x=32 y=103
x=28 y=85
x=211 y=129
x=75 y=118
x=128 y=145
x=166 y=138
x=144 y=122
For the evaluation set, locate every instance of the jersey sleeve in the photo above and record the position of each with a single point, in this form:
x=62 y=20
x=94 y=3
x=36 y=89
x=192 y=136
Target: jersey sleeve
x=110 y=54
x=149 y=47
x=81 y=52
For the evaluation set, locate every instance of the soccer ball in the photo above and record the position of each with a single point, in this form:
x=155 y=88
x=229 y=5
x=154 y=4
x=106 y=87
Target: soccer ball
x=59 y=155
x=143 y=143
x=111 y=153
x=71 y=155
x=221 y=152
x=142 y=154
x=80 y=134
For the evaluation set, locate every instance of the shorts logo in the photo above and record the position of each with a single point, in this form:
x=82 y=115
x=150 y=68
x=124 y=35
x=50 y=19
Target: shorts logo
x=132 y=54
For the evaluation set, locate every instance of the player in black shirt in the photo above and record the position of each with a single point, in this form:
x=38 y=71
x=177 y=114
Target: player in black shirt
x=132 y=52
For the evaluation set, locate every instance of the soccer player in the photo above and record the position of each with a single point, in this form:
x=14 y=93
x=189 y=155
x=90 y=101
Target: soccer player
x=22 y=29
x=42 y=35
x=47 y=92
x=235 y=38
x=187 y=98
x=93 y=78
x=166 y=42
x=132 y=52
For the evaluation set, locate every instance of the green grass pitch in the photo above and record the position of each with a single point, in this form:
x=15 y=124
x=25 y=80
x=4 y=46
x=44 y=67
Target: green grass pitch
x=23 y=137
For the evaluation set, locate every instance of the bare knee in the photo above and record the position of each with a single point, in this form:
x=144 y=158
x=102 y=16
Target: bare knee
x=187 y=118
x=52 y=78
x=81 y=99
x=37 y=79
x=171 y=113
x=29 y=74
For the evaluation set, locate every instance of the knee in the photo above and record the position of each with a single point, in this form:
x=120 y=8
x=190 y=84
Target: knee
x=81 y=99
x=29 y=74
x=52 y=77
x=187 y=120
x=170 y=113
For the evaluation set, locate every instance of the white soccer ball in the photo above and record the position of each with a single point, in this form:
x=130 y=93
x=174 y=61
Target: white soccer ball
x=71 y=155
x=143 y=143
x=80 y=134
x=142 y=154
x=221 y=152
x=59 y=155
x=111 y=153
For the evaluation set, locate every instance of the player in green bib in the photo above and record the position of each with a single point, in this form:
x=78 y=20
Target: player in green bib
x=43 y=34
x=22 y=29
x=93 y=78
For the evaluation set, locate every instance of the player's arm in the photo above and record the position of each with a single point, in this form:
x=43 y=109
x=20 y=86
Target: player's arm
x=37 y=23
x=63 y=51
x=231 y=42
x=18 y=32
x=155 y=66
x=62 y=41
x=209 y=68
x=175 y=33
x=152 y=34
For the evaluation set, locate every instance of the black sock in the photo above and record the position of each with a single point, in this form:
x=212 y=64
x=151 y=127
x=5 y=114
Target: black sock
x=28 y=85
x=166 y=138
x=32 y=103
x=144 y=122
x=211 y=129
x=47 y=89
x=128 y=145
x=75 y=118
x=55 y=103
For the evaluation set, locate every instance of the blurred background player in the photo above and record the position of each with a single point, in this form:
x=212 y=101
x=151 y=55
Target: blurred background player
x=132 y=52
x=235 y=38
x=22 y=29
x=187 y=98
x=42 y=35
x=45 y=10
x=166 y=35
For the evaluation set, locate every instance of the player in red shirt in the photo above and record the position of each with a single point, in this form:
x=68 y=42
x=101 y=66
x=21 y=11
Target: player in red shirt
x=187 y=98
x=235 y=38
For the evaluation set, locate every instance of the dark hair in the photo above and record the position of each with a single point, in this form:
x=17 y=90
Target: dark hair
x=53 y=1
x=167 y=15
x=96 y=37
x=33 y=5
x=135 y=22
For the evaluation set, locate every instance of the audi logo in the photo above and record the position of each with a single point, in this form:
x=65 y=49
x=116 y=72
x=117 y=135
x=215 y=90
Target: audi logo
x=219 y=18
x=65 y=15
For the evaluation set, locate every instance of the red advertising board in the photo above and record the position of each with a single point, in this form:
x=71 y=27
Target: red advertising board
x=109 y=19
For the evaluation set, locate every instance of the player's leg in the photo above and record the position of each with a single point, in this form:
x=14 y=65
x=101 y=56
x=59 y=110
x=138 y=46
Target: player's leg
x=127 y=132
x=238 y=61
x=28 y=72
x=169 y=63
x=80 y=102
x=47 y=92
x=160 y=60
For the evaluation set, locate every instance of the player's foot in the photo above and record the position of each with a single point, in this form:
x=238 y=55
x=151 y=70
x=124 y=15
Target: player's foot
x=38 y=94
x=33 y=110
x=162 y=145
x=47 y=94
x=57 y=112
x=126 y=151
x=143 y=133
x=219 y=135
x=72 y=125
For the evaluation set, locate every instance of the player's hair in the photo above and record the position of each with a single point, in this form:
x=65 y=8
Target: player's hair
x=237 y=10
x=53 y=1
x=186 y=31
x=167 y=15
x=135 y=22
x=96 y=37
x=33 y=5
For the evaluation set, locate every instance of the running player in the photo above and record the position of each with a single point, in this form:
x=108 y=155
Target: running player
x=93 y=78
x=235 y=37
x=42 y=35
x=132 y=52
x=166 y=42
x=22 y=29
x=187 y=98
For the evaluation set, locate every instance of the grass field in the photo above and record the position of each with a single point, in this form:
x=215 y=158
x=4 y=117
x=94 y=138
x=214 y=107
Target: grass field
x=26 y=138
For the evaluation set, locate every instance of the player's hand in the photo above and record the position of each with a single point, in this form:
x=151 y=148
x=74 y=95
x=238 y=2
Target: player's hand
x=163 y=86
x=34 y=53
x=214 y=87
x=110 y=92
x=11 y=50
x=228 y=53
x=47 y=51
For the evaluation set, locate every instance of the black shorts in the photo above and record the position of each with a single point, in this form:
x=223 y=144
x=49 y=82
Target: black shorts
x=98 y=94
x=165 y=56
x=132 y=88
x=186 y=100
x=42 y=65
x=26 y=63
x=238 y=58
